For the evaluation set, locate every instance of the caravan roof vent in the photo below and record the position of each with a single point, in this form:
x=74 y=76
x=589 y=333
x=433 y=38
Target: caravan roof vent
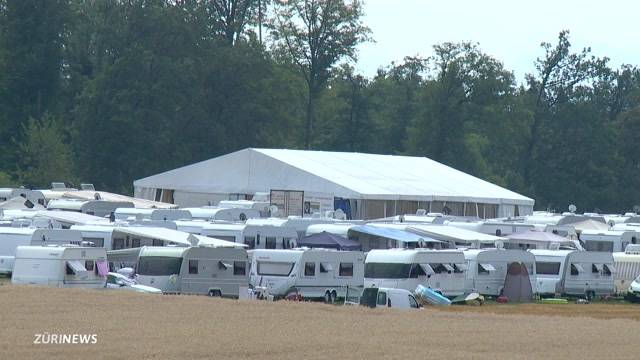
x=554 y=246
x=88 y=187
x=632 y=249
x=421 y=212
x=629 y=214
x=58 y=185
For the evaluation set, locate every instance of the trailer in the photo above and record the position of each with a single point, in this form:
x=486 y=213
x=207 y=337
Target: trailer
x=574 y=272
x=60 y=266
x=307 y=273
x=254 y=235
x=487 y=269
x=440 y=270
x=609 y=241
x=627 y=267
x=201 y=270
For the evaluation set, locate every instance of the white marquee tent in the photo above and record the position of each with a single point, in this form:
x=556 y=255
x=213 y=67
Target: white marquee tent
x=375 y=185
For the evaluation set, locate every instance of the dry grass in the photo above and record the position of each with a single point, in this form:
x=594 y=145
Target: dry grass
x=139 y=326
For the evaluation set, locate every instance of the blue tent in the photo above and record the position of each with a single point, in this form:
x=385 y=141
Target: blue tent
x=328 y=241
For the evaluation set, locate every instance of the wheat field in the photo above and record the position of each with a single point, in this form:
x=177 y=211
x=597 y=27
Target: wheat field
x=141 y=326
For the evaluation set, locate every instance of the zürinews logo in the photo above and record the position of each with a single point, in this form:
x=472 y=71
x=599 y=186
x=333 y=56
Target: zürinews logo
x=47 y=338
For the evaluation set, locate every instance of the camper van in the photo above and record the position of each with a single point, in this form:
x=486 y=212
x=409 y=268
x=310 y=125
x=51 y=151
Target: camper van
x=487 y=269
x=310 y=273
x=187 y=270
x=441 y=270
x=609 y=241
x=11 y=238
x=574 y=273
x=60 y=266
x=99 y=208
x=627 y=267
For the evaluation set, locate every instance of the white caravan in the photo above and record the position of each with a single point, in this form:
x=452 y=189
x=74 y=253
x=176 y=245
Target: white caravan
x=610 y=241
x=310 y=273
x=60 y=266
x=151 y=214
x=222 y=214
x=574 y=273
x=99 y=208
x=255 y=236
x=441 y=270
x=627 y=267
x=487 y=269
x=11 y=238
x=187 y=270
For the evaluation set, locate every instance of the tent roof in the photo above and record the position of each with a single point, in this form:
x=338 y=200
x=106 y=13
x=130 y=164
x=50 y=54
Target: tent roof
x=390 y=233
x=348 y=175
x=328 y=240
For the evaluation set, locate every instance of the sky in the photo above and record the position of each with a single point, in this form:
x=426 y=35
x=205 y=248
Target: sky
x=509 y=30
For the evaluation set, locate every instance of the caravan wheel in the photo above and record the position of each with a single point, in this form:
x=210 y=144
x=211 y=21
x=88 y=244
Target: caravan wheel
x=590 y=295
x=215 y=293
x=334 y=297
x=327 y=297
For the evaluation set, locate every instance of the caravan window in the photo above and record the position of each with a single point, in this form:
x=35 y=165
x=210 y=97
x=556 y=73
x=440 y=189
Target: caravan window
x=97 y=242
x=88 y=264
x=159 y=265
x=157 y=242
x=309 y=269
x=135 y=243
x=416 y=270
x=118 y=244
x=547 y=268
x=593 y=245
x=274 y=268
x=346 y=269
x=382 y=298
x=608 y=269
x=576 y=269
x=439 y=268
x=250 y=241
x=325 y=267
x=459 y=268
x=270 y=242
x=239 y=268
x=193 y=266
x=485 y=269
x=387 y=270
x=596 y=268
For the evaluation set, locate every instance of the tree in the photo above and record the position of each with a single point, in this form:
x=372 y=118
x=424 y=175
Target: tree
x=316 y=35
x=45 y=153
x=230 y=17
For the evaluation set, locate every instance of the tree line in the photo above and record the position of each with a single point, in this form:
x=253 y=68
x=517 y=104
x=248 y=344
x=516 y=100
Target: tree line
x=111 y=91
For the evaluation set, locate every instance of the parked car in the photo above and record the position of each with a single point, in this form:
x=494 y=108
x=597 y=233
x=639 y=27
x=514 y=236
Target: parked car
x=390 y=298
x=633 y=294
x=122 y=282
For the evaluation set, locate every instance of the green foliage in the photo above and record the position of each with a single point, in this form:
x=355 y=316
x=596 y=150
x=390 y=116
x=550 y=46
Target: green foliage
x=45 y=154
x=111 y=91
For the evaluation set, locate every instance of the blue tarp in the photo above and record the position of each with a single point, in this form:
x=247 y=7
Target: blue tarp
x=328 y=241
x=394 y=234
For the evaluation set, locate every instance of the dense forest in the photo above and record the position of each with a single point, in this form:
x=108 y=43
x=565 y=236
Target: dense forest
x=109 y=91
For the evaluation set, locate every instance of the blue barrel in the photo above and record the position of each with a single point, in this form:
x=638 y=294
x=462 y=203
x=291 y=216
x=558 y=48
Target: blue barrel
x=429 y=296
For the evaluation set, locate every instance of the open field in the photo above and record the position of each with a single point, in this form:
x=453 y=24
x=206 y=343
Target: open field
x=139 y=326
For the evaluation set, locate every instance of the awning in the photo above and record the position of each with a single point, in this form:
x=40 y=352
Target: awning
x=598 y=267
x=76 y=266
x=488 y=267
x=213 y=242
x=393 y=234
x=326 y=267
x=159 y=233
x=448 y=267
x=611 y=267
x=461 y=267
x=224 y=265
x=427 y=269
x=578 y=267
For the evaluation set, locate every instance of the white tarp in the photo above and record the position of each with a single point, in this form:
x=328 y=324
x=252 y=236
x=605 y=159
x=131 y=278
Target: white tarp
x=71 y=217
x=451 y=233
x=347 y=175
x=213 y=242
x=158 y=233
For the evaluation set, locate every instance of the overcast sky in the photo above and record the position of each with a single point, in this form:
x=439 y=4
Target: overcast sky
x=509 y=30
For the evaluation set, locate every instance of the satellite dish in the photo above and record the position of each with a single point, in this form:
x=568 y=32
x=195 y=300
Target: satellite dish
x=572 y=208
x=636 y=209
x=611 y=223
